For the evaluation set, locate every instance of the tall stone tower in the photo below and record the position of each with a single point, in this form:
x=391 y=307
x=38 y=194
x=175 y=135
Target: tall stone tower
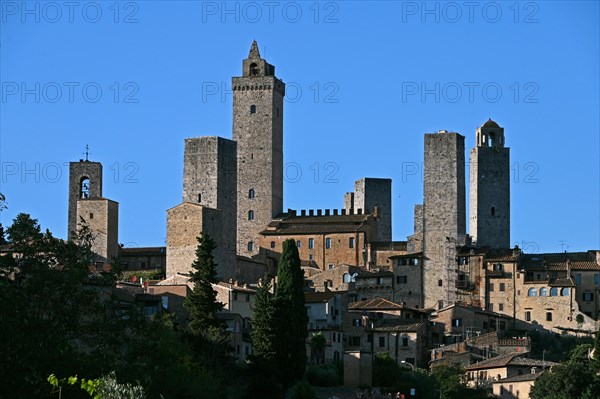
x=85 y=181
x=258 y=131
x=444 y=215
x=490 y=188
x=210 y=179
x=371 y=193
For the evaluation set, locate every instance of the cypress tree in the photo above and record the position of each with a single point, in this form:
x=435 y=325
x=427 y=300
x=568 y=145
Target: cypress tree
x=292 y=319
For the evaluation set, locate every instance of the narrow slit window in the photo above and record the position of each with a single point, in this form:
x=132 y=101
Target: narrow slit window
x=253 y=109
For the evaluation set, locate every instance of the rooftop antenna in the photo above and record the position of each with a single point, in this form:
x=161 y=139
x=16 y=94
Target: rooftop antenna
x=87 y=152
x=563 y=243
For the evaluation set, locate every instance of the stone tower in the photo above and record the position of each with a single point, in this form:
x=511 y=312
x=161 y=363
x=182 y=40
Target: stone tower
x=85 y=181
x=210 y=179
x=444 y=216
x=490 y=188
x=258 y=131
x=371 y=193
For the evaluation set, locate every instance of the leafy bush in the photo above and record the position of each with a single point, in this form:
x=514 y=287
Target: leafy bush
x=301 y=390
x=322 y=376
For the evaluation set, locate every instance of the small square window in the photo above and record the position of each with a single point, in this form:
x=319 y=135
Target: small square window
x=381 y=342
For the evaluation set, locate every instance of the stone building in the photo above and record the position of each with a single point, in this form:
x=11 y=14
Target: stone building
x=184 y=224
x=144 y=258
x=327 y=237
x=210 y=179
x=490 y=188
x=443 y=215
x=258 y=131
x=85 y=181
x=375 y=194
x=325 y=315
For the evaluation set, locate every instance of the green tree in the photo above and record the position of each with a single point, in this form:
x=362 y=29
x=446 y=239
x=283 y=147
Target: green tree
x=576 y=378
x=291 y=316
x=208 y=333
x=317 y=348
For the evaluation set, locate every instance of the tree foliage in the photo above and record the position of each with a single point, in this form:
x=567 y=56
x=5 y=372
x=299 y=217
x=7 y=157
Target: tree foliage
x=577 y=378
x=291 y=314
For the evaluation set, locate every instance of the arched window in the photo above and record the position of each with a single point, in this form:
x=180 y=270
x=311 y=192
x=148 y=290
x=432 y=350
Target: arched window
x=251 y=193
x=346 y=278
x=564 y=292
x=250 y=215
x=532 y=292
x=553 y=291
x=250 y=246
x=253 y=109
x=84 y=188
x=543 y=291
x=253 y=69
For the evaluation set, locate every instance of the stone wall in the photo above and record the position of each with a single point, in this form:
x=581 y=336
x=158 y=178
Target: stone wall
x=370 y=193
x=78 y=171
x=102 y=217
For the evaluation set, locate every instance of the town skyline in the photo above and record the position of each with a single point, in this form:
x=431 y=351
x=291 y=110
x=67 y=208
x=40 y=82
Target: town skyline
x=322 y=135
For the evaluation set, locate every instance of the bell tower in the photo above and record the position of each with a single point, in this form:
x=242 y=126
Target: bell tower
x=258 y=131
x=490 y=188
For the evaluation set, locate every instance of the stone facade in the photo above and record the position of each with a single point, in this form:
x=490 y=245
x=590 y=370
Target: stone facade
x=85 y=181
x=210 y=179
x=376 y=195
x=101 y=215
x=444 y=215
x=490 y=188
x=184 y=224
x=258 y=131
x=144 y=258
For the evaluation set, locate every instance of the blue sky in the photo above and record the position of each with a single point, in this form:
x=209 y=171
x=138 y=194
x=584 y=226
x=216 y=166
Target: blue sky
x=365 y=81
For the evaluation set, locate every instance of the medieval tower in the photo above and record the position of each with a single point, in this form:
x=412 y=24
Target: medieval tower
x=258 y=131
x=444 y=216
x=490 y=188
x=85 y=181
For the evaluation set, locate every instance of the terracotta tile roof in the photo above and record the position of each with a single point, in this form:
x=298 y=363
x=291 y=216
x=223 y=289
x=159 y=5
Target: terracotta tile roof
x=562 y=282
x=509 y=359
x=316 y=297
x=389 y=245
x=519 y=378
x=375 y=304
x=290 y=224
x=558 y=261
x=396 y=325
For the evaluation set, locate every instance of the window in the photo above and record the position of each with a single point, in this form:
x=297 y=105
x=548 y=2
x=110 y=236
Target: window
x=272 y=244
x=247 y=350
x=235 y=296
x=91 y=215
x=578 y=279
x=501 y=307
x=381 y=342
x=564 y=292
x=440 y=283
x=251 y=193
x=493 y=211
x=369 y=338
x=250 y=246
x=199 y=198
x=253 y=109
x=491 y=307
x=84 y=188
x=532 y=292
x=299 y=244
x=596 y=279
x=502 y=325
x=330 y=266
x=502 y=286
x=311 y=243
x=491 y=286
x=528 y=315
x=405 y=341
x=543 y=291
x=456 y=322
x=351 y=242
x=401 y=279
x=440 y=303
x=328 y=243
x=354 y=341
x=310 y=257
x=346 y=278
x=553 y=291
x=250 y=215
x=548 y=316
x=588 y=296
x=247 y=297
x=497 y=267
